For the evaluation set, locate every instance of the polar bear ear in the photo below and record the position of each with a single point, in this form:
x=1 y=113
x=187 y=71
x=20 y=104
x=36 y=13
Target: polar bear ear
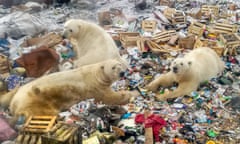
x=190 y=63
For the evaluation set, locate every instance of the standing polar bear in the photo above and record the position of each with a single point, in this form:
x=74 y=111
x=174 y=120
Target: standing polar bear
x=94 y=44
x=58 y=91
x=197 y=66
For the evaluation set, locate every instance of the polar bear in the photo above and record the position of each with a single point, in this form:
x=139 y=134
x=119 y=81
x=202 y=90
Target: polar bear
x=50 y=94
x=93 y=43
x=197 y=66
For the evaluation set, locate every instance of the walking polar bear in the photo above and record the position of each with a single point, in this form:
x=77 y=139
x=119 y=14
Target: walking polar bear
x=93 y=43
x=197 y=66
x=58 y=91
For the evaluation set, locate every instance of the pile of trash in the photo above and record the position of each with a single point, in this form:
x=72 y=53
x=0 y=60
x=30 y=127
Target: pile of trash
x=149 y=34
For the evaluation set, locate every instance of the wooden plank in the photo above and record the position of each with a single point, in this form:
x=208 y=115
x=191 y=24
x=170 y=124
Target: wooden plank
x=39 y=122
x=36 y=127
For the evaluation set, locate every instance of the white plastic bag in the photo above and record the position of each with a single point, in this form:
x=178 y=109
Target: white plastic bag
x=19 y=24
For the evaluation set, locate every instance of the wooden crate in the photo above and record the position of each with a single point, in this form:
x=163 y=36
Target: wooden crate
x=166 y=3
x=196 y=29
x=209 y=43
x=195 y=13
x=156 y=48
x=225 y=28
x=208 y=9
x=175 y=16
x=4 y=66
x=39 y=124
x=129 y=39
x=63 y=133
x=149 y=25
x=104 y=18
x=34 y=127
x=230 y=42
x=187 y=42
x=164 y=36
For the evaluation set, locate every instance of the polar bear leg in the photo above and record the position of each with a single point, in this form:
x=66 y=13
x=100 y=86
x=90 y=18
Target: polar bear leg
x=183 y=89
x=164 y=80
x=118 y=98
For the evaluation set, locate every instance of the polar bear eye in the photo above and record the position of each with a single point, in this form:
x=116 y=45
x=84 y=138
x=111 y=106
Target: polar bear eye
x=181 y=63
x=71 y=30
x=113 y=67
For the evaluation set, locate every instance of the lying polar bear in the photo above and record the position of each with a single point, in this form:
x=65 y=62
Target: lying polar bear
x=58 y=91
x=93 y=43
x=197 y=66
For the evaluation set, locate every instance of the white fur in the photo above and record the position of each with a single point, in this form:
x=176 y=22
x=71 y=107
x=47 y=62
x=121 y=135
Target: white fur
x=94 y=44
x=197 y=66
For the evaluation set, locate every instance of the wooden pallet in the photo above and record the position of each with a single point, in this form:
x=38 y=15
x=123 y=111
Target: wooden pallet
x=63 y=133
x=164 y=36
x=175 y=16
x=129 y=38
x=225 y=28
x=208 y=9
x=39 y=124
x=196 y=29
x=230 y=42
x=149 y=25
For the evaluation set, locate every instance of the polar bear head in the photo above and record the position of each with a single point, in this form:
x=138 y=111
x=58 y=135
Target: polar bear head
x=113 y=70
x=71 y=29
x=180 y=66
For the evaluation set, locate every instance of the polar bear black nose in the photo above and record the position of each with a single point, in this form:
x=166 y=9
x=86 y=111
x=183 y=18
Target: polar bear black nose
x=175 y=69
x=121 y=74
x=63 y=36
